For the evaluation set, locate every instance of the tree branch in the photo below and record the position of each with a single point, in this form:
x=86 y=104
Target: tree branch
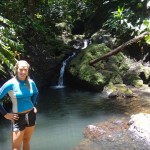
x=120 y=48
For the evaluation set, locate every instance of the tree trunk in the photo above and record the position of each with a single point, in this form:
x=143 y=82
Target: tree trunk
x=120 y=48
x=31 y=7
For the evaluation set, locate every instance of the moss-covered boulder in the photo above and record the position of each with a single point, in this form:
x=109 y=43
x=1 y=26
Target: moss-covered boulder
x=80 y=69
x=102 y=73
x=118 y=91
x=117 y=69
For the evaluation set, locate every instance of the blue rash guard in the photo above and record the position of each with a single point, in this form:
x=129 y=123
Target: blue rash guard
x=22 y=98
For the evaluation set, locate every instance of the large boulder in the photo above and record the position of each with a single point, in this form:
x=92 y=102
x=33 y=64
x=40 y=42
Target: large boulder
x=84 y=74
x=117 y=69
x=112 y=134
x=118 y=134
x=118 y=91
x=140 y=127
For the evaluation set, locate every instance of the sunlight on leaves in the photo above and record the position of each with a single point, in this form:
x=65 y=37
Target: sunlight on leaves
x=147 y=39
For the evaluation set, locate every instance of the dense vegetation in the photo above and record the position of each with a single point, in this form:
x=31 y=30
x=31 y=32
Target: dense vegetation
x=45 y=24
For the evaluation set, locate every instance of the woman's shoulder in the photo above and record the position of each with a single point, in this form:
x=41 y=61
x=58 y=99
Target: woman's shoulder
x=31 y=81
x=9 y=83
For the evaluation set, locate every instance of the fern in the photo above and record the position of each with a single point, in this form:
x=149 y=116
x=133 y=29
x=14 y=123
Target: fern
x=9 y=45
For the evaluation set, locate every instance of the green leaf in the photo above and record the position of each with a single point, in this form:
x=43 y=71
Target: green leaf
x=147 y=39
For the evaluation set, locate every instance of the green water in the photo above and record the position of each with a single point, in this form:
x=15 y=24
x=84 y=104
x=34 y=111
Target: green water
x=62 y=116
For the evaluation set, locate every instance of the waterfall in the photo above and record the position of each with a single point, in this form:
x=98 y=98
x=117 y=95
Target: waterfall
x=62 y=70
x=85 y=43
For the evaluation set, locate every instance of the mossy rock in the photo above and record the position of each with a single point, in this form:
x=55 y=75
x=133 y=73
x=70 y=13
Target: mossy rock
x=119 y=91
x=129 y=78
x=103 y=72
x=138 y=83
x=80 y=67
x=114 y=69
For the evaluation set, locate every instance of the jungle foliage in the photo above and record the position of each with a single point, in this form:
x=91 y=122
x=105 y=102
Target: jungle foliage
x=33 y=21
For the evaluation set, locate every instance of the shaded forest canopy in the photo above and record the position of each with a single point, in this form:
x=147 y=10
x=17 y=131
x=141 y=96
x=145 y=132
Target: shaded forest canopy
x=43 y=30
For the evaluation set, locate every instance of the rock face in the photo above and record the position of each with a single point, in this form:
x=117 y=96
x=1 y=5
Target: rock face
x=140 y=127
x=118 y=91
x=106 y=131
x=127 y=133
x=117 y=69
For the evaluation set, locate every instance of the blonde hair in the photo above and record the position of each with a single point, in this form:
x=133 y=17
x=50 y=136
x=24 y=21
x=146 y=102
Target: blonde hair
x=16 y=73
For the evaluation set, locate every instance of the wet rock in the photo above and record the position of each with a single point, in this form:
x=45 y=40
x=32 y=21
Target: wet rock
x=113 y=95
x=112 y=134
x=106 y=130
x=118 y=122
x=119 y=91
x=140 y=127
x=95 y=130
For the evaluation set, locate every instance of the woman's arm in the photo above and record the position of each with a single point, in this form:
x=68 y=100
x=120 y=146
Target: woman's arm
x=34 y=98
x=3 y=91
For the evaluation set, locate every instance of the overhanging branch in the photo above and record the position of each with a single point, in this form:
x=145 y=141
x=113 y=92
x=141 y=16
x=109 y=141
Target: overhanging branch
x=120 y=48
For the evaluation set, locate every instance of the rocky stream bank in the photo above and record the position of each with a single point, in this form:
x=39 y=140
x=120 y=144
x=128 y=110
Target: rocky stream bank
x=131 y=132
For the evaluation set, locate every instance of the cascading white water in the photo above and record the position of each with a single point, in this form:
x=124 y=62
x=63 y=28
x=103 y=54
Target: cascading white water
x=85 y=43
x=62 y=70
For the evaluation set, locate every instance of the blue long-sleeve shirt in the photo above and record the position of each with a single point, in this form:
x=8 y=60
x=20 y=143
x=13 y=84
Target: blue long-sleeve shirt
x=22 y=98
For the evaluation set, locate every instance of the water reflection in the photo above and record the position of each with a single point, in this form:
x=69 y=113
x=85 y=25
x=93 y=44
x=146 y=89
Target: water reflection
x=64 y=113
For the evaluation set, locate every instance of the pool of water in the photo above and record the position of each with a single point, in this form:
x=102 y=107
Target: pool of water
x=64 y=113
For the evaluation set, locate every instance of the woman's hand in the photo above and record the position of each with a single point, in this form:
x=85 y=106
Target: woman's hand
x=11 y=116
x=35 y=110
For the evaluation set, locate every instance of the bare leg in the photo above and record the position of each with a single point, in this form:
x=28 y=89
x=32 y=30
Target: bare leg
x=27 y=137
x=17 y=138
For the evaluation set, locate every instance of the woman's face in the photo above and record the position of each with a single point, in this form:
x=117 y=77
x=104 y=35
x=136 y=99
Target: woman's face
x=22 y=71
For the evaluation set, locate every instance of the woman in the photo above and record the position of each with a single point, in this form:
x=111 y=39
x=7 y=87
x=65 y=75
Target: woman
x=23 y=93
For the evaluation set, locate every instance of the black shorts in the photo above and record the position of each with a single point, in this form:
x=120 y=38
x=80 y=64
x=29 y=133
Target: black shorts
x=25 y=120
